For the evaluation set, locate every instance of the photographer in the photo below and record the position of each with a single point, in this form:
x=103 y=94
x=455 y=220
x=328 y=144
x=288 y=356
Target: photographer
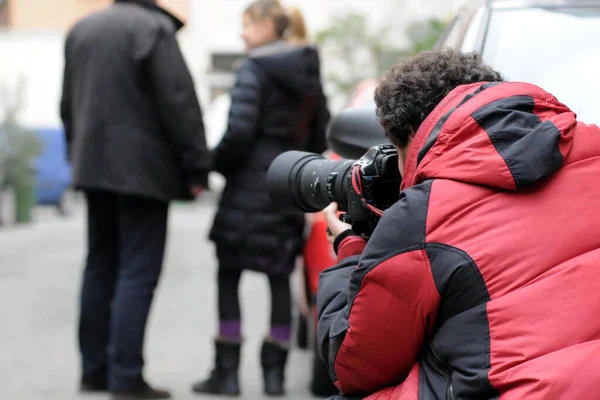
x=482 y=280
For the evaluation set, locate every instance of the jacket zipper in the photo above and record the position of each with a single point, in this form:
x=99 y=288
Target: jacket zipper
x=449 y=388
x=450 y=391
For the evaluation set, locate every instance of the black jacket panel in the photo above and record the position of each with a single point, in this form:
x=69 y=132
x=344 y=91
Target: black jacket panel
x=277 y=105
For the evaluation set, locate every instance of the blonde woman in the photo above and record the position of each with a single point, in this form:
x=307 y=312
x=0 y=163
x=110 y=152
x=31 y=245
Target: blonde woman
x=277 y=105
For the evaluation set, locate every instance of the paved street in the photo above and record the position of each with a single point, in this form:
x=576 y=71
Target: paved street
x=40 y=268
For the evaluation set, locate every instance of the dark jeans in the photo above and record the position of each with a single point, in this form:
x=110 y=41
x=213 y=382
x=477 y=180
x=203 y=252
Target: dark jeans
x=126 y=242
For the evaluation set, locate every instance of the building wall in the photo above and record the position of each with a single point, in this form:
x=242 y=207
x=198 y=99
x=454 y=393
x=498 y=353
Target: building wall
x=60 y=14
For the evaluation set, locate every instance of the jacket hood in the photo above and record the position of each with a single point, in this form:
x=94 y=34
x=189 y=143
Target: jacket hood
x=502 y=135
x=150 y=4
x=296 y=69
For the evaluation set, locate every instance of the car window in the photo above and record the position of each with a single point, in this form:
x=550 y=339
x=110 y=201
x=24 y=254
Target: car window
x=556 y=49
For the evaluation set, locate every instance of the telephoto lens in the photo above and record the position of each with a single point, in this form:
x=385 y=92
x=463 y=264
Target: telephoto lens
x=308 y=181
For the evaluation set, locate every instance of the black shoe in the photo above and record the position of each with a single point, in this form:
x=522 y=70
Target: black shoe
x=224 y=377
x=93 y=387
x=273 y=358
x=142 y=392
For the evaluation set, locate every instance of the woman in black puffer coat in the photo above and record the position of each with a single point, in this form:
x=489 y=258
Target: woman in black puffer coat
x=277 y=105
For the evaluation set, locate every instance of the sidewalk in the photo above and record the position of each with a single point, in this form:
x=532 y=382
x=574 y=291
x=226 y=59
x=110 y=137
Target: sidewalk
x=40 y=268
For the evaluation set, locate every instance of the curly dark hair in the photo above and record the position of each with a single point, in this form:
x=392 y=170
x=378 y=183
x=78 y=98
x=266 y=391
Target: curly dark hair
x=415 y=86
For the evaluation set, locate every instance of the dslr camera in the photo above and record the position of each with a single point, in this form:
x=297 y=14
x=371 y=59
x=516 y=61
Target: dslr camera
x=363 y=188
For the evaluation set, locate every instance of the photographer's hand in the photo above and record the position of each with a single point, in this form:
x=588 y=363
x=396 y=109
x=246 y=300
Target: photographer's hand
x=335 y=225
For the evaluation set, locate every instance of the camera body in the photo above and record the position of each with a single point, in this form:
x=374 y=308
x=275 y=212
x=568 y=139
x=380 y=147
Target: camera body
x=374 y=185
x=362 y=188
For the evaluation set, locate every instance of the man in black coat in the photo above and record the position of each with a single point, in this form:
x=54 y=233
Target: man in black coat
x=136 y=141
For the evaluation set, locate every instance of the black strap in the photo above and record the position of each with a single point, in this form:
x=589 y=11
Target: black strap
x=341 y=237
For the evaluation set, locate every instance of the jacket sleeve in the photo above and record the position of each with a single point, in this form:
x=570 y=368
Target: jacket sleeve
x=377 y=306
x=178 y=108
x=318 y=128
x=242 y=124
x=65 y=103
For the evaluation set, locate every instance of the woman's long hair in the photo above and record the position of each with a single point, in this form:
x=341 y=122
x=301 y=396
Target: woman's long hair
x=289 y=24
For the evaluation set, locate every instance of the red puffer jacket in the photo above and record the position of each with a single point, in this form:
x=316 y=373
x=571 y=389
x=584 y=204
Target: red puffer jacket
x=483 y=280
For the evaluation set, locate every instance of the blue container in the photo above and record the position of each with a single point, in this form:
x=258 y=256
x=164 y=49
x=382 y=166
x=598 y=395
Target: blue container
x=53 y=169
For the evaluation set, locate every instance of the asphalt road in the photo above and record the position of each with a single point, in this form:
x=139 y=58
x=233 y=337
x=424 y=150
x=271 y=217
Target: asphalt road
x=40 y=269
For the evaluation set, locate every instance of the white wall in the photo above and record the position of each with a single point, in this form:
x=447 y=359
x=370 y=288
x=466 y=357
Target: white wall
x=38 y=58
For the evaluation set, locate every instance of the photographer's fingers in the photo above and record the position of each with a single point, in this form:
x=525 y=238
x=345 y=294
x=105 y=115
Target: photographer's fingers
x=335 y=225
x=331 y=215
x=330 y=212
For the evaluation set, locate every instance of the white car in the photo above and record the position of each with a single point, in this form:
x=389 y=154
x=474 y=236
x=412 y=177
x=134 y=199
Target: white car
x=550 y=43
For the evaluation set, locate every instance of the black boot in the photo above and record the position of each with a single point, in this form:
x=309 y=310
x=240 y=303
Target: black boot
x=273 y=357
x=224 y=377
